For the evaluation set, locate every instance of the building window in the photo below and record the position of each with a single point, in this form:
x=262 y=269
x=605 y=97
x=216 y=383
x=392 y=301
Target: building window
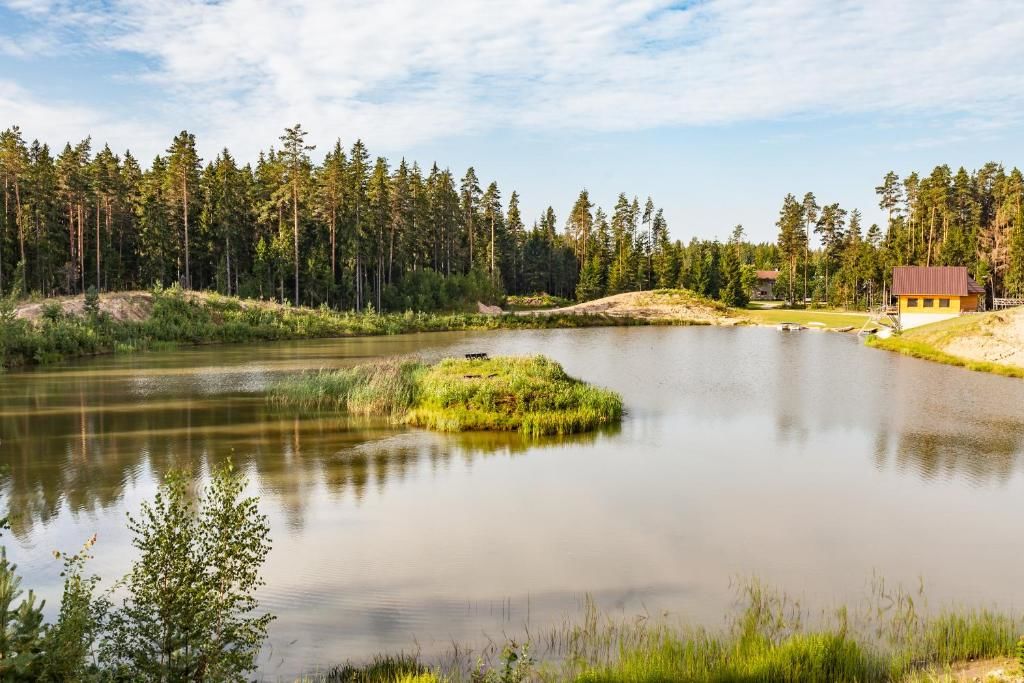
x=911 y=302
x=929 y=303
x=943 y=303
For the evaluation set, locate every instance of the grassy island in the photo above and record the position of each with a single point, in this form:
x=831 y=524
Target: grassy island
x=532 y=395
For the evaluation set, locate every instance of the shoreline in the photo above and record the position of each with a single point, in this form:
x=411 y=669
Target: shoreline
x=923 y=351
x=63 y=328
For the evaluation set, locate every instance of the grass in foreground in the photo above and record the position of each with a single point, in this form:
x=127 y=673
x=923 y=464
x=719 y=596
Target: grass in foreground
x=530 y=395
x=767 y=640
x=830 y=319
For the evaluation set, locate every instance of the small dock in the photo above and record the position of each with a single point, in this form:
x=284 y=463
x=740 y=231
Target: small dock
x=885 y=316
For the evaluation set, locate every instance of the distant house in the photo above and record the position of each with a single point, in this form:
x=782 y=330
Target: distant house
x=764 y=286
x=927 y=295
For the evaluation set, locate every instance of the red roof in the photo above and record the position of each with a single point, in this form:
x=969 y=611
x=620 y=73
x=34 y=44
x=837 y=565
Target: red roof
x=767 y=275
x=940 y=280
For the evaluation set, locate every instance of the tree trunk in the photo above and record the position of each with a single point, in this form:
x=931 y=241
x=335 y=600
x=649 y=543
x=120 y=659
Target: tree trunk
x=81 y=244
x=97 y=244
x=188 y=266
x=295 y=235
x=17 y=218
x=334 y=251
x=931 y=235
x=227 y=251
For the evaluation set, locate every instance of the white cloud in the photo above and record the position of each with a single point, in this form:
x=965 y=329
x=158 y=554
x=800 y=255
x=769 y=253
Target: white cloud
x=60 y=122
x=403 y=71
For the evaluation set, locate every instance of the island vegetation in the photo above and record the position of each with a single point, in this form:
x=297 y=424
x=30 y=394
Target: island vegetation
x=532 y=395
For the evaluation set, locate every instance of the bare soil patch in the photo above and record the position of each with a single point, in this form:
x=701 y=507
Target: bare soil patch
x=650 y=305
x=121 y=306
x=999 y=670
x=998 y=337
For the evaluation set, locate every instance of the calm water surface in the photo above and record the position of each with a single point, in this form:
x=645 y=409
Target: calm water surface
x=805 y=459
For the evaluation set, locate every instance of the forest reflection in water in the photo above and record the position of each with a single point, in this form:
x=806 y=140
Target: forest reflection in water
x=806 y=459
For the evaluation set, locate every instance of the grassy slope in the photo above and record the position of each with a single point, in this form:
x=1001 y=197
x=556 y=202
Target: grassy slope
x=58 y=329
x=666 y=306
x=530 y=395
x=930 y=342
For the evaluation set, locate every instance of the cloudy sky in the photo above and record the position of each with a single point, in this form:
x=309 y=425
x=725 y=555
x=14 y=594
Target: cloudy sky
x=717 y=109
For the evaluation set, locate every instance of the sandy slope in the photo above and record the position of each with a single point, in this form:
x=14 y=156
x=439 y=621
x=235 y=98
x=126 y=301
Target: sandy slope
x=994 y=337
x=663 y=304
x=120 y=306
x=135 y=306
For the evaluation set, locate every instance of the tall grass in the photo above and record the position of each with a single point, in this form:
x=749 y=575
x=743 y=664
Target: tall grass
x=769 y=638
x=532 y=395
x=387 y=388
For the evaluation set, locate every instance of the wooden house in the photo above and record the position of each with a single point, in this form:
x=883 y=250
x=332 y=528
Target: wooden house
x=930 y=294
x=764 y=286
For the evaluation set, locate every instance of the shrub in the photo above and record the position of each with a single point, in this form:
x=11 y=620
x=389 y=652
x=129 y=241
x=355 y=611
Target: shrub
x=21 y=638
x=211 y=552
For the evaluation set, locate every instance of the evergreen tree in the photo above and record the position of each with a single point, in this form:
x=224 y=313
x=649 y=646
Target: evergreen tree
x=792 y=237
x=182 y=177
x=295 y=159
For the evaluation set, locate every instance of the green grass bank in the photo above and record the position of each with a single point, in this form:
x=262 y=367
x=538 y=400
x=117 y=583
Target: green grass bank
x=825 y=319
x=70 y=328
x=769 y=638
x=532 y=395
x=985 y=342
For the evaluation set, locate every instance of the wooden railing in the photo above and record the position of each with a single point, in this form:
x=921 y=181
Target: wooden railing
x=1007 y=302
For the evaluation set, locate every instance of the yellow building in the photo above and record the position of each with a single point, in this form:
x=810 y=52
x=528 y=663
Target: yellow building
x=927 y=295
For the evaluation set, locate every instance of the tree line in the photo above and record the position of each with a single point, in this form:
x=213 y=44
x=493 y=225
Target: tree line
x=350 y=232
x=353 y=233
x=973 y=219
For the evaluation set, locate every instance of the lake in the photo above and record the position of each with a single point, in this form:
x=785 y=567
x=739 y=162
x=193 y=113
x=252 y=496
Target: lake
x=804 y=459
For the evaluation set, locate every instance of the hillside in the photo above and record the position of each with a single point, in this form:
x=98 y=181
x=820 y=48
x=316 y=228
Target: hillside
x=991 y=342
x=657 y=305
x=136 y=306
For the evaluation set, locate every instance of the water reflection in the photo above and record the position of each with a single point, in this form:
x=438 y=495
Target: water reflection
x=805 y=459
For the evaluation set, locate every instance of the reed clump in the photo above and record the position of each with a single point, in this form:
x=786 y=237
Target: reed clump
x=532 y=395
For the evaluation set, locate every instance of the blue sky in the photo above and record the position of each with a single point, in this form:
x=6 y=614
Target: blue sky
x=716 y=109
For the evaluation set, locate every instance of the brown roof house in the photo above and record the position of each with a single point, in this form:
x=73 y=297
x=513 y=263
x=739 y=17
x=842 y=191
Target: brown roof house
x=764 y=286
x=927 y=295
